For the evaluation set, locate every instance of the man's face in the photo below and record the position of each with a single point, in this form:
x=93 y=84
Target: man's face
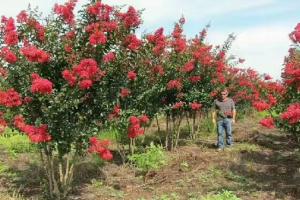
x=224 y=95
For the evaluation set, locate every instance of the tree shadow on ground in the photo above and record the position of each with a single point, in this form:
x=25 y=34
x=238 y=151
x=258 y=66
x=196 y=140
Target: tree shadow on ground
x=274 y=169
x=25 y=181
x=270 y=174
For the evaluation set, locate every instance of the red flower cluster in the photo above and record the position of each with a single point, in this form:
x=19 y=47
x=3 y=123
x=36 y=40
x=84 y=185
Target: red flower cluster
x=10 y=98
x=100 y=147
x=85 y=84
x=220 y=65
x=267 y=122
x=27 y=100
x=295 y=35
x=41 y=85
x=177 y=32
x=34 y=54
x=240 y=96
x=159 y=40
x=111 y=56
x=125 y=92
x=159 y=70
x=272 y=100
x=70 y=35
x=94 y=9
x=194 y=79
x=3 y=72
x=188 y=67
x=98 y=37
x=178 y=105
x=87 y=71
x=174 y=84
x=22 y=17
x=292 y=114
x=8 y=55
x=261 y=105
x=104 y=26
x=132 y=42
x=39 y=28
x=245 y=83
x=179 y=42
x=10 y=33
x=102 y=11
x=69 y=76
x=144 y=119
x=203 y=55
x=291 y=73
x=109 y=26
x=131 y=18
x=195 y=106
x=135 y=128
x=179 y=45
x=116 y=112
x=131 y=75
x=35 y=134
x=68 y=48
x=66 y=11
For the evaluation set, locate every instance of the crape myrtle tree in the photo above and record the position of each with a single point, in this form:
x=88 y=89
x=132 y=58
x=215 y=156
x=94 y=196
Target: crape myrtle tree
x=288 y=109
x=61 y=80
x=285 y=112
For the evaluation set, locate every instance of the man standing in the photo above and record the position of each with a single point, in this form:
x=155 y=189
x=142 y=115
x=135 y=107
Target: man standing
x=223 y=117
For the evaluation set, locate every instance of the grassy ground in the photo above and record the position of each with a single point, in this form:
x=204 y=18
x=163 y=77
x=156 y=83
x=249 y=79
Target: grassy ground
x=262 y=164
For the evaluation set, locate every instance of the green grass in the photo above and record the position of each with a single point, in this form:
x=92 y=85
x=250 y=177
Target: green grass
x=224 y=195
x=210 y=175
x=3 y=168
x=15 y=143
x=109 y=134
x=236 y=178
x=246 y=147
x=172 y=196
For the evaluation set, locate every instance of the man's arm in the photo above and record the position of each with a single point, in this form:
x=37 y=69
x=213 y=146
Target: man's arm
x=214 y=114
x=233 y=112
x=233 y=116
x=214 y=117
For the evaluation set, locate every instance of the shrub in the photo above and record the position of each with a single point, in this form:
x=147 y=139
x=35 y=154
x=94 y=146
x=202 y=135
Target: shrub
x=152 y=159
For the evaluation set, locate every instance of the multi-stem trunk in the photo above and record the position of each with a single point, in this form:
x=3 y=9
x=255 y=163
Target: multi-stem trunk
x=132 y=145
x=157 y=123
x=177 y=129
x=59 y=170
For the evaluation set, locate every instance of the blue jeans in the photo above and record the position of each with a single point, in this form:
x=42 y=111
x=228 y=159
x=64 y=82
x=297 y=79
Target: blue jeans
x=222 y=126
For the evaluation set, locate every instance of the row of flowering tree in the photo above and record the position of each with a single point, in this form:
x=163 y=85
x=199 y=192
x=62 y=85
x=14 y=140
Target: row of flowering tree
x=64 y=78
x=286 y=113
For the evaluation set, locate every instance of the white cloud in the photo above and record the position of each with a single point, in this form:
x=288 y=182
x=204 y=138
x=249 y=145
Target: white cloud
x=157 y=11
x=263 y=47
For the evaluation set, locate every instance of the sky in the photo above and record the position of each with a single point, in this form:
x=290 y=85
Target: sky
x=261 y=27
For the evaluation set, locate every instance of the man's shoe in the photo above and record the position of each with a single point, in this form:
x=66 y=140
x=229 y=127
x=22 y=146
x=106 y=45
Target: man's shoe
x=220 y=149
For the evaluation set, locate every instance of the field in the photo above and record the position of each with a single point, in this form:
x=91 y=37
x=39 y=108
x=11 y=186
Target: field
x=262 y=164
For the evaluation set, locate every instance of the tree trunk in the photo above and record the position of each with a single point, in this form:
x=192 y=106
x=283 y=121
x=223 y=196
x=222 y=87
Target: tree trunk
x=59 y=172
x=194 y=125
x=177 y=131
x=167 y=131
x=158 y=126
